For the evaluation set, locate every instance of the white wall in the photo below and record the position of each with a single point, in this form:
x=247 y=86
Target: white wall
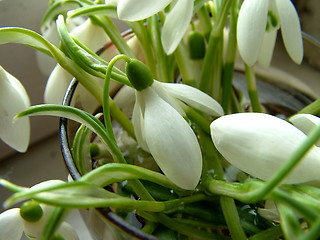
x=20 y=61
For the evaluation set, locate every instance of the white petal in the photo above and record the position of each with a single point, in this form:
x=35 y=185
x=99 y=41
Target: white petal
x=91 y=35
x=251 y=27
x=195 y=98
x=125 y=99
x=67 y=231
x=290 y=29
x=158 y=87
x=138 y=124
x=268 y=44
x=305 y=122
x=171 y=142
x=57 y=85
x=134 y=10
x=176 y=24
x=11 y=226
x=259 y=144
x=13 y=100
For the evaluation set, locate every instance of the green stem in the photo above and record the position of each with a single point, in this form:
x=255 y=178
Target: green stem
x=215 y=36
x=252 y=89
x=312 y=108
x=230 y=58
x=106 y=103
x=205 y=21
x=212 y=164
x=196 y=117
x=215 y=86
x=232 y=218
x=163 y=73
x=140 y=30
x=53 y=222
x=249 y=193
x=184 y=64
x=289 y=223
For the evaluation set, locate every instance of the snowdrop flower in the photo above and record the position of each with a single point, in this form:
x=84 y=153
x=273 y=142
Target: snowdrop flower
x=176 y=22
x=90 y=35
x=160 y=126
x=259 y=144
x=13 y=100
x=258 y=23
x=31 y=219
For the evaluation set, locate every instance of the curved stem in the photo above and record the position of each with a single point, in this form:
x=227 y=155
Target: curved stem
x=106 y=97
x=252 y=89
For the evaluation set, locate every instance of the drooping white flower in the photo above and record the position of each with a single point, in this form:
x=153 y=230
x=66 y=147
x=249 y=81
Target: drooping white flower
x=259 y=144
x=176 y=22
x=13 y=225
x=258 y=23
x=161 y=129
x=13 y=100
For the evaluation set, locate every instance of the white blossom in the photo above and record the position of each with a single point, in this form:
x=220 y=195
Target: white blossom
x=13 y=100
x=259 y=144
x=161 y=129
x=12 y=225
x=176 y=22
x=258 y=23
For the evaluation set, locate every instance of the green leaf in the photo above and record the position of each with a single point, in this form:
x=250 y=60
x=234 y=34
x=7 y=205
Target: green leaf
x=77 y=115
x=116 y=172
x=26 y=37
x=81 y=150
x=58 y=7
x=86 y=195
x=98 y=9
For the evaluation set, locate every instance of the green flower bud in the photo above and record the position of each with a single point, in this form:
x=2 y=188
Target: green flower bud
x=197 y=45
x=139 y=74
x=31 y=211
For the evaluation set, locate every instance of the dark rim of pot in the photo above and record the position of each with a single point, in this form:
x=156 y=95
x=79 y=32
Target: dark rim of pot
x=72 y=169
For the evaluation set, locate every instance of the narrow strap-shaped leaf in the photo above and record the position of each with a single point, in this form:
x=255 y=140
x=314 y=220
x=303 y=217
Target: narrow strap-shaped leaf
x=115 y=172
x=98 y=9
x=56 y=8
x=27 y=37
x=79 y=116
